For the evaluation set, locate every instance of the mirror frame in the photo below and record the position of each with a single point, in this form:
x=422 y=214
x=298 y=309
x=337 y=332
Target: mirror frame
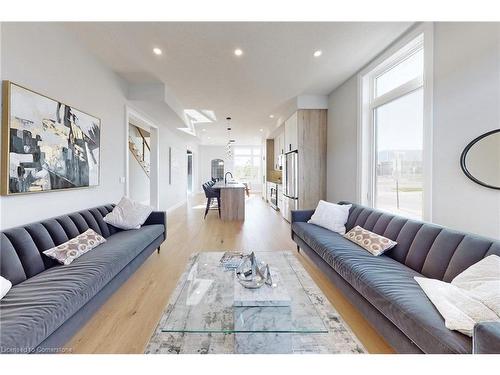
x=463 y=164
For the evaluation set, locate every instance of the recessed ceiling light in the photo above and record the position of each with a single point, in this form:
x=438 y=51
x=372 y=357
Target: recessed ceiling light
x=271 y=116
x=204 y=130
x=317 y=53
x=157 y=51
x=208 y=137
x=238 y=52
x=261 y=130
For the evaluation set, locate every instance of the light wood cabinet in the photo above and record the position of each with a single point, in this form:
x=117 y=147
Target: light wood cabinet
x=291 y=133
x=270 y=154
x=279 y=141
x=311 y=146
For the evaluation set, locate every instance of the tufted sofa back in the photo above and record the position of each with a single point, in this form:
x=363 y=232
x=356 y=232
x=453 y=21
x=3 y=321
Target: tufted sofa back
x=434 y=251
x=21 y=247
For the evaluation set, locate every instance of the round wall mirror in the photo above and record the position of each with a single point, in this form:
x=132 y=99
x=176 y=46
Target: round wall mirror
x=480 y=160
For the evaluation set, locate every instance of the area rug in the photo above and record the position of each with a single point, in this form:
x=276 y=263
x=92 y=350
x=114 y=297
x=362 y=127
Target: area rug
x=338 y=340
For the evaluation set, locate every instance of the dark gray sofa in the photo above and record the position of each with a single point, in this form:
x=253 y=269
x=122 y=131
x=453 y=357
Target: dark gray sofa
x=49 y=302
x=383 y=288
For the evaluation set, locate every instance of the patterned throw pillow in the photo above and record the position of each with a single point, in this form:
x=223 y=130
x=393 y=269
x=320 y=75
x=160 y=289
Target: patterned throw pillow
x=372 y=242
x=67 y=252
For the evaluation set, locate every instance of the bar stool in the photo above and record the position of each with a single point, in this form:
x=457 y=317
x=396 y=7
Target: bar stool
x=211 y=193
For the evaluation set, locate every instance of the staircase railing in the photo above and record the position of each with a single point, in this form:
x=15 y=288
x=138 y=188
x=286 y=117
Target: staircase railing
x=139 y=154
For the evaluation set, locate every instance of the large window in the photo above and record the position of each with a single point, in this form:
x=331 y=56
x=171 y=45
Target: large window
x=393 y=143
x=247 y=164
x=398 y=145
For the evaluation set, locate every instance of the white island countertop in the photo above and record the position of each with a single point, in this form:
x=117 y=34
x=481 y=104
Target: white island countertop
x=229 y=185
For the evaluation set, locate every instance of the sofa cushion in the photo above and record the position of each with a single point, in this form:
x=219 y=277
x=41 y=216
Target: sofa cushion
x=35 y=308
x=389 y=286
x=10 y=267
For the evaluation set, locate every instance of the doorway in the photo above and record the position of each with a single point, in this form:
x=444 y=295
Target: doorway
x=189 y=172
x=142 y=159
x=139 y=163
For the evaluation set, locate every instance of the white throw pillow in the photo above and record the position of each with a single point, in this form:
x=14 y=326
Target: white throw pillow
x=482 y=282
x=460 y=311
x=331 y=216
x=128 y=214
x=5 y=286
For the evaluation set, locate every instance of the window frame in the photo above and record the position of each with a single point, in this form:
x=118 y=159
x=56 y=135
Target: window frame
x=420 y=36
x=255 y=156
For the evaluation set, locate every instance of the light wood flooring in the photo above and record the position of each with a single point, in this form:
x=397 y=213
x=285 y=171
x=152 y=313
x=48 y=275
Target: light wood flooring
x=126 y=321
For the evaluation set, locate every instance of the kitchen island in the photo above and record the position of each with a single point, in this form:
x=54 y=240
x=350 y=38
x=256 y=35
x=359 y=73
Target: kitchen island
x=232 y=200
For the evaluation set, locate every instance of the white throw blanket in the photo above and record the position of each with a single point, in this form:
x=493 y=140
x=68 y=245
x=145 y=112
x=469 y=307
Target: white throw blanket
x=472 y=297
x=5 y=286
x=482 y=282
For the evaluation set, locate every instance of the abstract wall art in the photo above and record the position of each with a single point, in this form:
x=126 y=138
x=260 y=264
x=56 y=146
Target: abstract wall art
x=46 y=145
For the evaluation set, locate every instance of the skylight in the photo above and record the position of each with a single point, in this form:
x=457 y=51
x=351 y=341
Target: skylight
x=200 y=115
x=197 y=116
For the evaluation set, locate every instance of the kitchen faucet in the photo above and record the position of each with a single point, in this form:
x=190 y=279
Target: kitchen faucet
x=225 y=177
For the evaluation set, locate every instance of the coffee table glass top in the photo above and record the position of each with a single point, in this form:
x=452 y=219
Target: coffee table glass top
x=203 y=301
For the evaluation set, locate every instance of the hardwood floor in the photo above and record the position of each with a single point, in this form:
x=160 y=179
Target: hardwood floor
x=126 y=321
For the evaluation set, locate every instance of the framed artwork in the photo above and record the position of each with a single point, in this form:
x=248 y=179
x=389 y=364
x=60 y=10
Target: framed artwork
x=46 y=145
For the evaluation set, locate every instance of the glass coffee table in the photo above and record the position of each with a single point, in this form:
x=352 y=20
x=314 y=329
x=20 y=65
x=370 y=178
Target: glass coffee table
x=204 y=303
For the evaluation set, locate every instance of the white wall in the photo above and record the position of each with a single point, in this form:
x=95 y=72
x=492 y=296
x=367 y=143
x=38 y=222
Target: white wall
x=139 y=181
x=174 y=194
x=207 y=153
x=466 y=104
x=46 y=58
x=342 y=148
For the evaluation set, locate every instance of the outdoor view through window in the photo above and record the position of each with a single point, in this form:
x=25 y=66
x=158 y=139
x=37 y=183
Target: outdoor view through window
x=247 y=165
x=398 y=184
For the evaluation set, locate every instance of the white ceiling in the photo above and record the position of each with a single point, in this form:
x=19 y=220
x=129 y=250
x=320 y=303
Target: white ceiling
x=199 y=66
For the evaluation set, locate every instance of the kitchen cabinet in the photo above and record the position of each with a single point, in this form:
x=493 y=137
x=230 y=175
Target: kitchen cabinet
x=291 y=133
x=311 y=139
x=270 y=155
x=304 y=173
x=280 y=197
x=279 y=142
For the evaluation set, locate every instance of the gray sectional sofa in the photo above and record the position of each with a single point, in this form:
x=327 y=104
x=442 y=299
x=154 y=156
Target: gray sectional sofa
x=49 y=302
x=383 y=288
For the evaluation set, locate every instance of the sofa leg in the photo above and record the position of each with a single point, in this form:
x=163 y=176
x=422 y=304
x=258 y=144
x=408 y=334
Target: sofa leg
x=298 y=248
x=159 y=249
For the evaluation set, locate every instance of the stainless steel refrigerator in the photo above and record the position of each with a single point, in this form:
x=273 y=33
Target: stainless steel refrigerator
x=290 y=184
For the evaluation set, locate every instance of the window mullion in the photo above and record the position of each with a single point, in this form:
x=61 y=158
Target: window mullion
x=398 y=92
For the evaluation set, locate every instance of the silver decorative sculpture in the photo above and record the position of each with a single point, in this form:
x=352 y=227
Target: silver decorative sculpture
x=269 y=279
x=253 y=274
